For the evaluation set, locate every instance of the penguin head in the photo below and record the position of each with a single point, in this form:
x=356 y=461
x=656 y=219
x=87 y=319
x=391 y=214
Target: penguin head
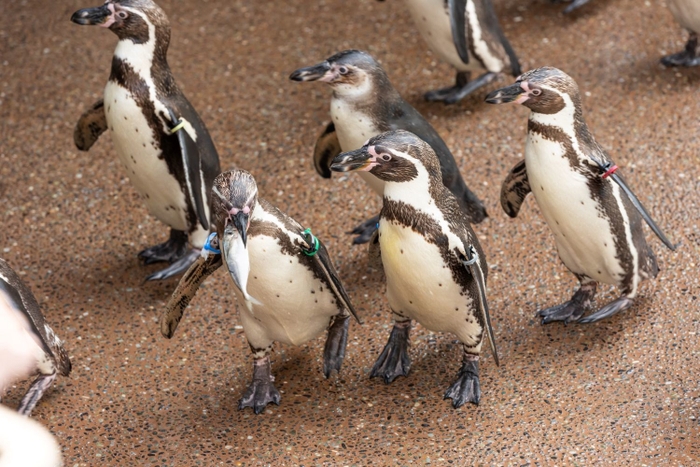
x=350 y=73
x=128 y=19
x=234 y=197
x=394 y=156
x=542 y=90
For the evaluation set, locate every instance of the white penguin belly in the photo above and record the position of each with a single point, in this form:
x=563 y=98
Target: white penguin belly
x=585 y=241
x=433 y=22
x=295 y=305
x=687 y=13
x=354 y=129
x=420 y=285
x=134 y=143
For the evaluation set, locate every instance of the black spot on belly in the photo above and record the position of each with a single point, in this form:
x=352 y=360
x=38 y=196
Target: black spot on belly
x=401 y=250
x=320 y=289
x=600 y=272
x=581 y=203
x=410 y=302
x=137 y=130
x=278 y=295
x=125 y=117
x=440 y=285
x=541 y=188
x=313 y=291
x=456 y=309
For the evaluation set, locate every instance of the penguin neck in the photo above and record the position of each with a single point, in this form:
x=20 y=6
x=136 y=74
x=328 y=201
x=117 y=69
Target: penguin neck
x=148 y=59
x=420 y=192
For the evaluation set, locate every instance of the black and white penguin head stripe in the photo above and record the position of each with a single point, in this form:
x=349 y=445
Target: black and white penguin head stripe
x=128 y=19
x=545 y=90
x=395 y=156
x=351 y=72
x=234 y=195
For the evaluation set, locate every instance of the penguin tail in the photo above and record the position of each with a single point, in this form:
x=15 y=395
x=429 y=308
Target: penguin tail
x=473 y=206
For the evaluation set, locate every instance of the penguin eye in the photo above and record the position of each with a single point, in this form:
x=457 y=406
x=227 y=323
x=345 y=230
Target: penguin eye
x=386 y=157
x=343 y=70
x=122 y=14
x=536 y=92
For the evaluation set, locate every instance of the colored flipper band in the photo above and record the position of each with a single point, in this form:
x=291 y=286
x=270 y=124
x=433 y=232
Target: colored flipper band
x=178 y=127
x=311 y=240
x=208 y=245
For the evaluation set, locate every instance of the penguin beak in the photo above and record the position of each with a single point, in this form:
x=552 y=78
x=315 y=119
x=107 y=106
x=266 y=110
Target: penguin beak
x=101 y=15
x=507 y=94
x=320 y=72
x=240 y=221
x=353 y=161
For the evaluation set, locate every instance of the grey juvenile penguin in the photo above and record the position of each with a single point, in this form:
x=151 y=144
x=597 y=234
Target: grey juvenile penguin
x=51 y=357
x=159 y=137
x=594 y=216
x=466 y=34
x=364 y=104
x=687 y=13
x=281 y=272
x=434 y=266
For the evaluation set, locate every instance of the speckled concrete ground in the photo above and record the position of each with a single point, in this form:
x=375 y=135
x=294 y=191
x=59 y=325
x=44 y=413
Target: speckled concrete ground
x=624 y=391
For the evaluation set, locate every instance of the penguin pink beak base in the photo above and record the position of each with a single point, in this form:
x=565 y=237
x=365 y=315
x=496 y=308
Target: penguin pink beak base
x=101 y=16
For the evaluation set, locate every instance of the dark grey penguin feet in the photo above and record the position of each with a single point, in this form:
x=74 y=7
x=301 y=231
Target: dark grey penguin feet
x=365 y=230
x=394 y=360
x=616 y=306
x=466 y=388
x=37 y=389
x=688 y=57
x=334 y=351
x=170 y=251
x=573 y=5
x=178 y=267
x=261 y=391
x=573 y=309
x=459 y=91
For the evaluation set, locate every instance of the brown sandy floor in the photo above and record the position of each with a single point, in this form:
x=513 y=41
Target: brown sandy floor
x=624 y=391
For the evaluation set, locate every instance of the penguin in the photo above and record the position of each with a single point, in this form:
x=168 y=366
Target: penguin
x=365 y=104
x=281 y=273
x=466 y=34
x=160 y=139
x=573 y=4
x=595 y=217
x=687 y=13
x=17 y=303
x=434 y=266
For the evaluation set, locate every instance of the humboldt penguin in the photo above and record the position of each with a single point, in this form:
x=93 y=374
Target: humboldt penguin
x=466 y=34
x=159 y=137
x=687 y=13
x=595 y=217
x=18 y=304
x=434 y=266
x=364 y=104
x=283 y=279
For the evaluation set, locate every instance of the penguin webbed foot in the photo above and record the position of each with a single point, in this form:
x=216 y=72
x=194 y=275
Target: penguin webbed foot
x=170 y=251
x=684 y=58
x=612 y=308
x=394 y=360
x=439 y=95
x=574 y=4
x=572 y=310
x=365 y=230
x=460 y=90
x=36 y=390
x=262 y=390
x=336 y=342
x=176 y=268
x=467 y=387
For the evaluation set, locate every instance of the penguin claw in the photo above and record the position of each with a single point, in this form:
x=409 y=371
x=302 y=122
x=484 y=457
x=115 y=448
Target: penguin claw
x=394 y=360
x=567 y=312
x=178 y=267
x=334 y=351
x=612 y=308
x=467 y=387
x=261 y=391
x=680 y=59
x=365 y=230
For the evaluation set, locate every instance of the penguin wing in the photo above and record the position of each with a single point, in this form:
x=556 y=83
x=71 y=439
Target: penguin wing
x=323 y=261
x=185 y=292
x=514 y=189
x=22 y=299
x=326 y=149
x=458 y=23
x=375 y=252
x=90 y=126
x=192 y=165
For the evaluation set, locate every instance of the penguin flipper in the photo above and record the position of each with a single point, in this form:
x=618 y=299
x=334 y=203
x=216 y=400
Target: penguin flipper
x=185 y=292
x=192 y=166
x=514 y=189
x=323 y=259
x=375 y=252
x=458 y=24
x=326 y=149
x=91 y=124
